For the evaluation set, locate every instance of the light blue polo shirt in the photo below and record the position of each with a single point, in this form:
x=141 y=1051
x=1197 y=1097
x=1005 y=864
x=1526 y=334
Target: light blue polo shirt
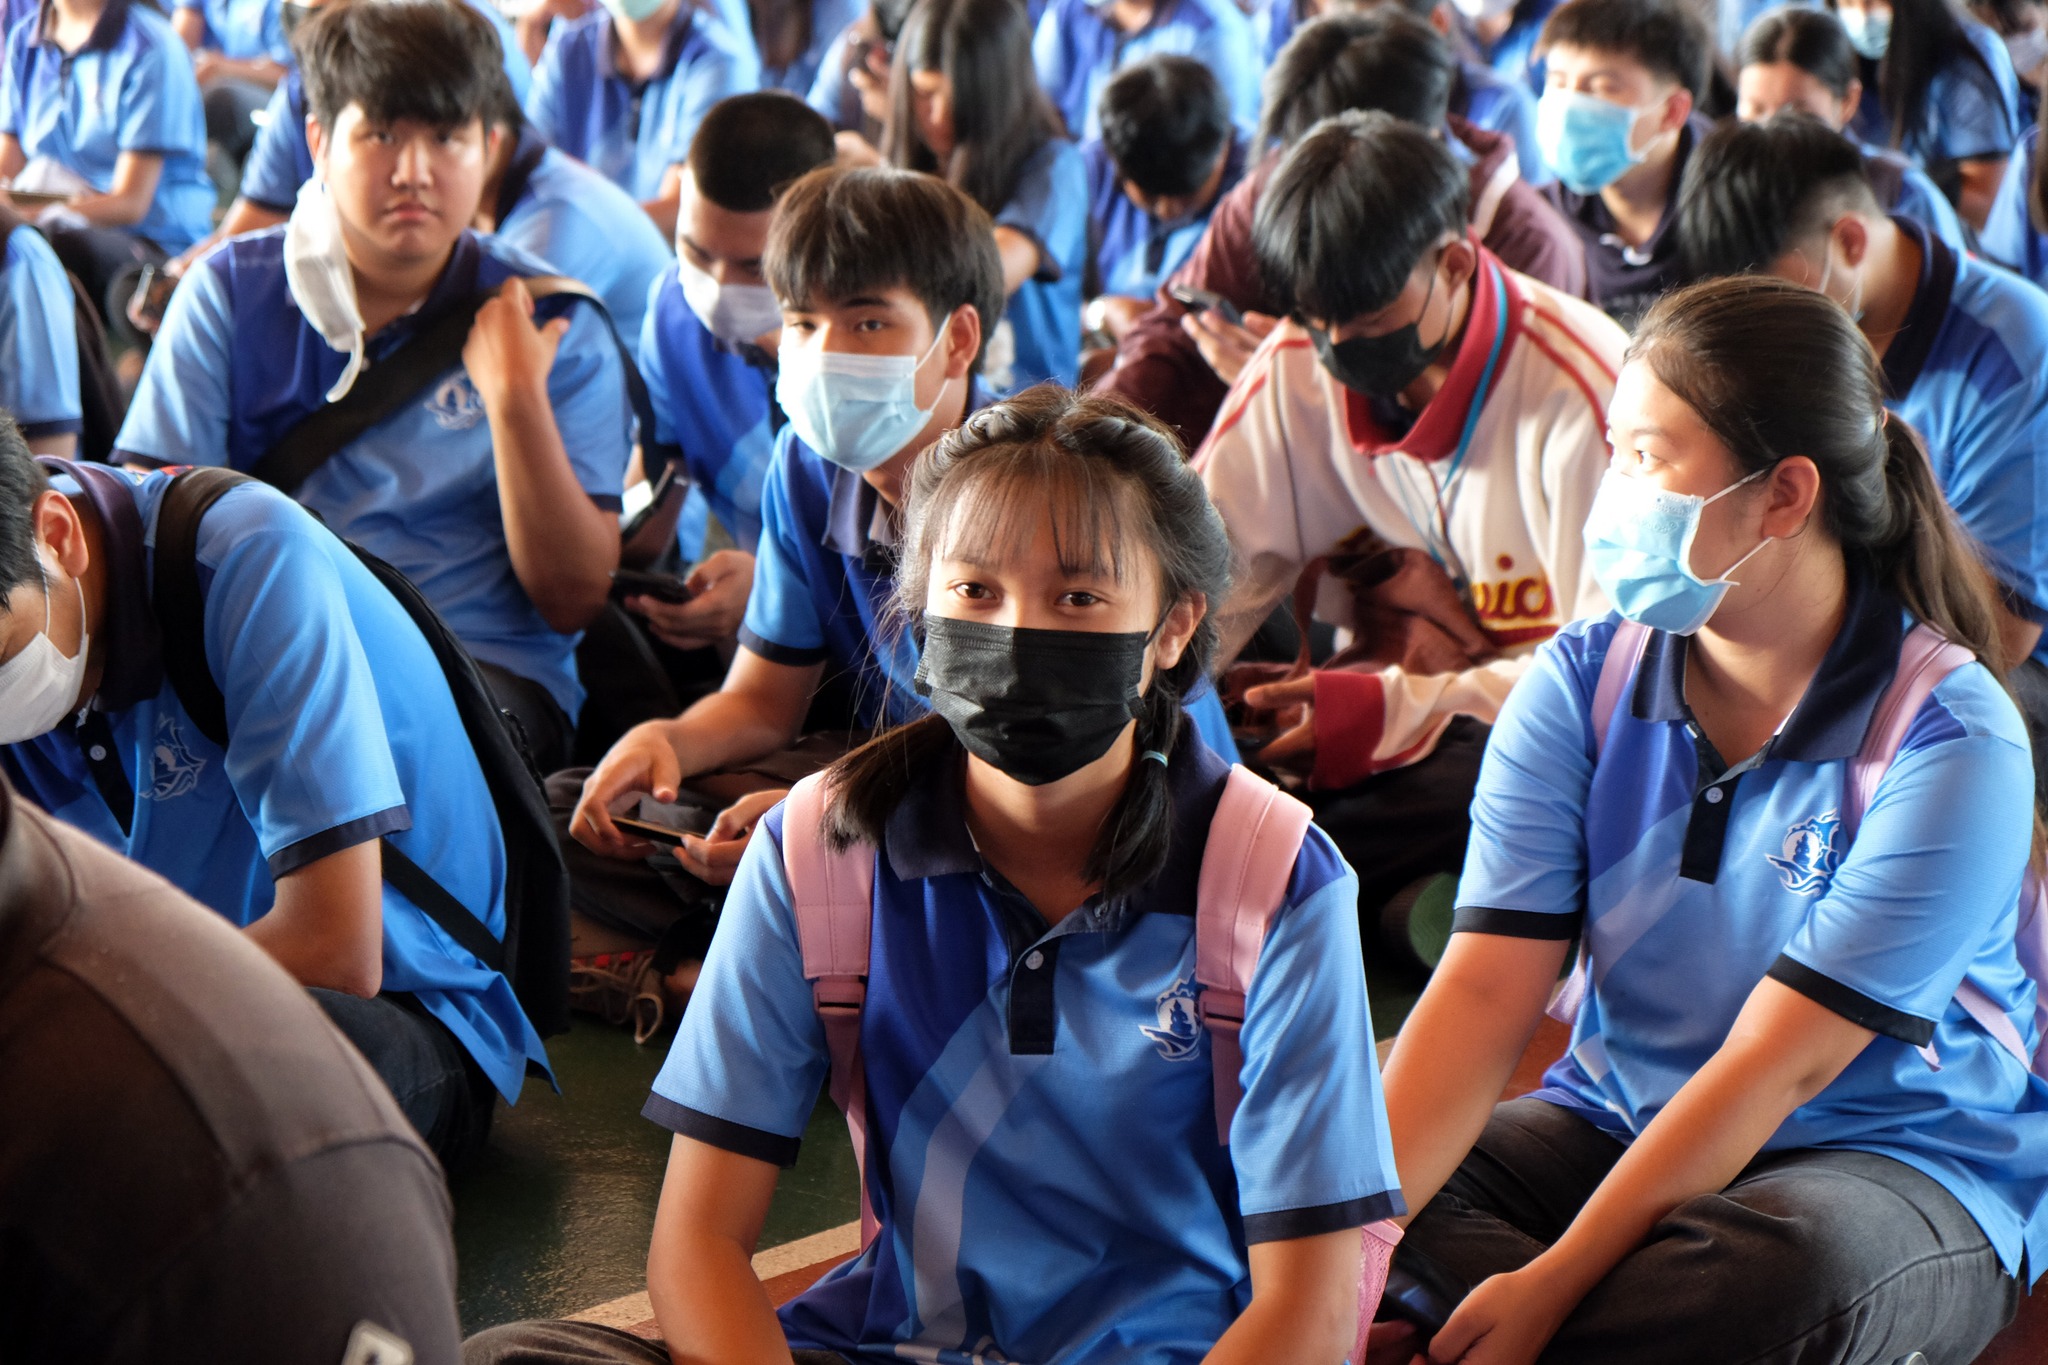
x=714 y=409
x=1513 y=57
x=1692 y=884
x=38 y=338
x=2010 y=236
x=129 y=89
x=1916 y=196
x=1043 y=316
x=829 y=19
x=1135 y=253
x=340 y=731
x=1042 y=1148
x=633 y=134
x=558 y=210
x=244 y=29
x=1077 y=50
x=235 y=367
x=1969 y=110
x=1969 y=371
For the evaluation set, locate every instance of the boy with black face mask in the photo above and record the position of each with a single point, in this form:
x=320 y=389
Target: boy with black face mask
x=1433 y=424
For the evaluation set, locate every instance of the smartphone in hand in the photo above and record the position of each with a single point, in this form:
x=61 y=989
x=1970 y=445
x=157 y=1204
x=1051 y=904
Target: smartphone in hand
x=1204 y=300
x=662 y=587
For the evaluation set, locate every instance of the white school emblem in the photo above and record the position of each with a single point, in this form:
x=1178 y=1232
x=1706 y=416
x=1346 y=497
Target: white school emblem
x=1810 y=855
x=1179 y=1035
x=174 y=769
x=455 y=403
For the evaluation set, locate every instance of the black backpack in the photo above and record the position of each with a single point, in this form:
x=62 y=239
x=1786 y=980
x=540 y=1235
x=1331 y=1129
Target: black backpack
x=100 y=405
x=534 y=955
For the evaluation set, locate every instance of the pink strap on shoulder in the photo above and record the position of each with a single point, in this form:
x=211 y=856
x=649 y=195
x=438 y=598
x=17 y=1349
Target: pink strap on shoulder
x=1925 y=658
x=1254 y=841
x=1624 y=653
x=832 y=894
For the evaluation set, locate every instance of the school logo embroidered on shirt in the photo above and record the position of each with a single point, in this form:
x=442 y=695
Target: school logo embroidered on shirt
x=456 y=404
x=1179 y=1035
x=174 y=770
x=1810 y=855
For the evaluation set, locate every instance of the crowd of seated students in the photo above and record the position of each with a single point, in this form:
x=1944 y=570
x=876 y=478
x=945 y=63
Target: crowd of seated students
x=966 y=550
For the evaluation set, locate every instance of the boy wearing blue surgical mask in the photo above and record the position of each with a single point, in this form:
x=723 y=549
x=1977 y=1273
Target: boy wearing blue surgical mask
x=1616 y=123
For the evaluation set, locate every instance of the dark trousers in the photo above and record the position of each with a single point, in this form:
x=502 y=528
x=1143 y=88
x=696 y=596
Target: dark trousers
x=549 y=733
x=1412 y=822
x=230 y=122
x=582 y=1343
x=442 y=1091
x=1840 y=1257
x=108 y=262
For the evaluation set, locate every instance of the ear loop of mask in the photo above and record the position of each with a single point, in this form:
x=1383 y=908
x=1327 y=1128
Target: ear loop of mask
x=1722 y=577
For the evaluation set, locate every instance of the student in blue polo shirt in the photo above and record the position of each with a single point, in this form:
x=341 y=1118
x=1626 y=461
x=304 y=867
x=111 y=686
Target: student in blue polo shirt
x=1079 y=45
x=239 y=54
x=98 y=102
x=794 y=37
x=965 y=105
x=280 y=831
x=497 y=488
x=624 y=87
x=1964 y=344
x=1794 y=57
x=1042 y=1150
x=38 y=344
x=2012 y=233
x=1508 y=36
x=1777 y=1134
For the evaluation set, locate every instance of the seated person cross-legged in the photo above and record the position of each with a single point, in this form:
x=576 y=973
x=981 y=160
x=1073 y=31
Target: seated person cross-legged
x=1785 y=806
x=1052 y=1171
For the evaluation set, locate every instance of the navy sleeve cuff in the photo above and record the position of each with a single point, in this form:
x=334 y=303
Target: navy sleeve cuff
x=311 y=849
x=65 y=426
x=607 y=502
x=1851 y=1003
x=121 y=457
x=1288 y=1224
x=723 y=1134
x=1480 y=919
x=262 y=203
x=780 y=654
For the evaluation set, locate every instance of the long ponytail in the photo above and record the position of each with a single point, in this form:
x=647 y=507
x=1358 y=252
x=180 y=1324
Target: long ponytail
x=1928 y=561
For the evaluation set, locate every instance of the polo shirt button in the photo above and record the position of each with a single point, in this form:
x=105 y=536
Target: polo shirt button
x=1035 y=961
x=97 y=752
x=1714 y=796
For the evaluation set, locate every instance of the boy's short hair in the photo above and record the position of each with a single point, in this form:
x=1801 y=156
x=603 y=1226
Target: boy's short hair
x=751 y=147
x=1352 y=209
x=1380 y=58
x=1664 y=36
x=434 y=61
x=840 y=233
x=22 y=481
x=1166 y=122
x=1753 y=191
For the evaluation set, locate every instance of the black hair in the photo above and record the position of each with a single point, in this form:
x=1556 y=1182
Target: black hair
x=751 y=147
x=1166 y=123
x=1351 y=210
x=1384 y=58
x=1927 y=35
x=1753 y=191
x=1116 y=484
x=840 y=233
x=1000 y=115
x=889 y=16
x=1811 y=39
x=437 y=62
x=1665 y=36
x=22 y=481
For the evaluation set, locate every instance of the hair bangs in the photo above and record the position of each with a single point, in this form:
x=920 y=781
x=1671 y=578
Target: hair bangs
x=991 y=513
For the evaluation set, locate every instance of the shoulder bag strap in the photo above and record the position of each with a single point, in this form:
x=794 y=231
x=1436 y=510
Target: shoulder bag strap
x=180 y=606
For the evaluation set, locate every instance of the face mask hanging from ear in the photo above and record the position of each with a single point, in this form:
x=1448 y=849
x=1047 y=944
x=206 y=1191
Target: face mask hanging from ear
x=39 y=686
x=317 y=272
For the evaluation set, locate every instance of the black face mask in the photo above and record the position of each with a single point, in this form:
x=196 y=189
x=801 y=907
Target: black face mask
x=1381 y=366
x=1035 y=704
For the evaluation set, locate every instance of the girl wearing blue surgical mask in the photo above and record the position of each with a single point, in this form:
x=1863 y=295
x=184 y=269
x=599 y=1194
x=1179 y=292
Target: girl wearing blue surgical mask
x=1795 y=1120
x=1938 y=87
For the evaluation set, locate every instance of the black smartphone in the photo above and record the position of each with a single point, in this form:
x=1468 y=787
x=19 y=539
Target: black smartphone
x=1202 y=300
x=152 y=294
x=648 y=830
x=662 y=587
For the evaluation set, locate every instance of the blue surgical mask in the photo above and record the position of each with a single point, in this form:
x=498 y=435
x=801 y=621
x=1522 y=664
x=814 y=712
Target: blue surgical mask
x=1870 y=34
x=1639 y=542
x=1585 y=139
x=855 y=410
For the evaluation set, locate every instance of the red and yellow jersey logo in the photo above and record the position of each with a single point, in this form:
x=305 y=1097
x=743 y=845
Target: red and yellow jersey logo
x=1515 y=609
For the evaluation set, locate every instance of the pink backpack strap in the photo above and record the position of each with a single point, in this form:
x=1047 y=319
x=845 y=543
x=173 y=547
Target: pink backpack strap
x=1380 y=1240
x=832 y=894
x=1925 y=659
x=1617 y=671
x=1254 y=840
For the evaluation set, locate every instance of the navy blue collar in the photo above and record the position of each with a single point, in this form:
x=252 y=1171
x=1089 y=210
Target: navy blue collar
x=679 y=30
x=457 y=285
x=106 y=30
x=927 y=834
x=850 y=508
x=1831 y=718
x=130 y=641
x=1907 y=355
x=527 y=151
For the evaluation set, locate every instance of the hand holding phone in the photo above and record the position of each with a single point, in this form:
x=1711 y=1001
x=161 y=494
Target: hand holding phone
x=1205 y=300
x=662 y=587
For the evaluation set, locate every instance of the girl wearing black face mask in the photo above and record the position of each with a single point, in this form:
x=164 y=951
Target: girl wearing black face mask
x=1043 y=1147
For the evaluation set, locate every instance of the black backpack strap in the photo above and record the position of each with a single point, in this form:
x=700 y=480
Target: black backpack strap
x=417 y=885
x=180 y=607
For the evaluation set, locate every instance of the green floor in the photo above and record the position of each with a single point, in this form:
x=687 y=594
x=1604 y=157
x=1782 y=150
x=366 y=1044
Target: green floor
x=556 y=1215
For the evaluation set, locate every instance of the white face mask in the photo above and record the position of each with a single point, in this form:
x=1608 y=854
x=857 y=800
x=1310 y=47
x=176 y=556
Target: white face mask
x=39 y=686
x=734 y=313
x=317 y=272
x=855 y=410
x=2028 y=50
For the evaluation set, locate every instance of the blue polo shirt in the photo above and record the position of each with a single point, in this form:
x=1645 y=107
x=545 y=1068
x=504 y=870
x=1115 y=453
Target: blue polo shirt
x=829 y=19
x=2010 y=235
x=38 y=338
x=1042 y=1150
x=1692 y=883
x=1904 y=189
x=297 y=631
x=714 y=409
x=129 y=89
x=1971 y=109
x=1969 y=371
x=558 y=210
x=831 y=93
x=1077 y=49
x=1135 y=252
x=244 y=29
x=634 y=133
x=1513 y=56
x=1043 y=316
x=235 y=367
